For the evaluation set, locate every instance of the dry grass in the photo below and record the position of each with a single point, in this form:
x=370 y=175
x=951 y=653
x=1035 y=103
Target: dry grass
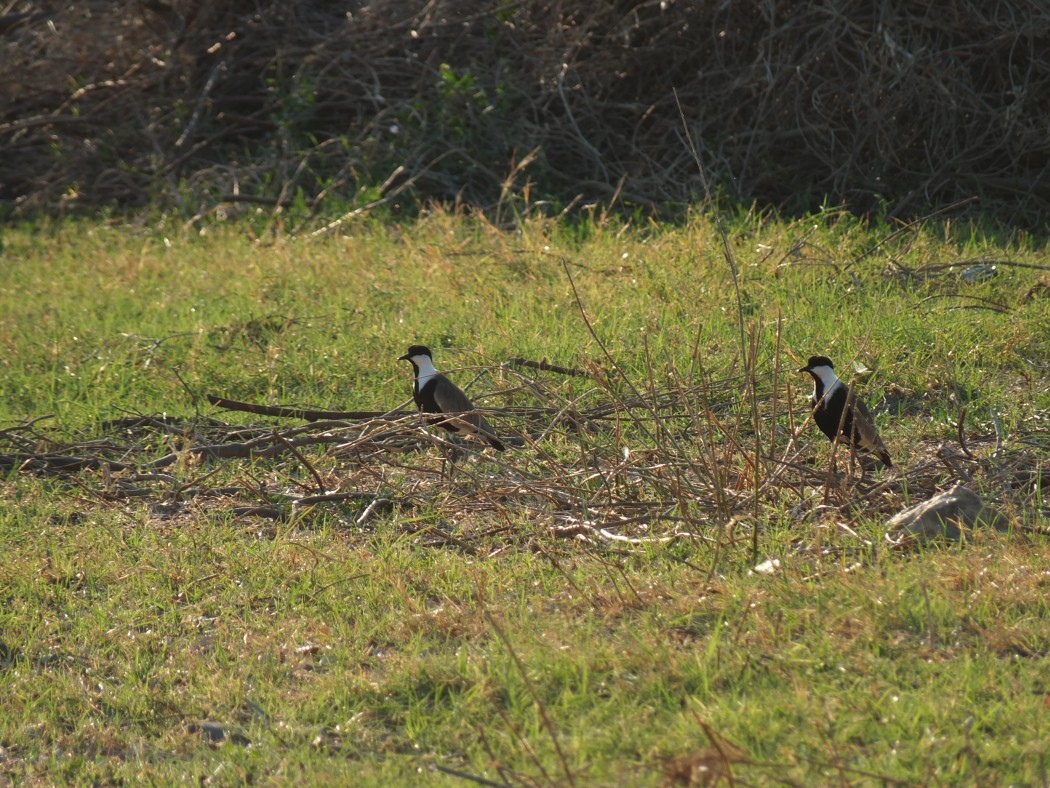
x=628 y=466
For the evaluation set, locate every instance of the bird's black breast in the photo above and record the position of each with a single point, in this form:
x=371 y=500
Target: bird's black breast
x=828 y=413
x=424 y=397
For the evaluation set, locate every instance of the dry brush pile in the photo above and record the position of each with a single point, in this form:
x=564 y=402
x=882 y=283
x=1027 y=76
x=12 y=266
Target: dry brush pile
x=231 y=106
x=717 y=464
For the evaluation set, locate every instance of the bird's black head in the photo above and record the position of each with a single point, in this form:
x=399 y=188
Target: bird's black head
x=415 y=350
x=817 y=361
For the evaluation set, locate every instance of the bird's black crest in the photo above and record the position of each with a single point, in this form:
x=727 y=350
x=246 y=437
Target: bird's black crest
x=817 y=361
x=416 y=350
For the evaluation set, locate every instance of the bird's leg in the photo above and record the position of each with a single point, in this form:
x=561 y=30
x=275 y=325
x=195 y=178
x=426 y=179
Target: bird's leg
x=450 y=459
x=457 y=451
x=855 y=460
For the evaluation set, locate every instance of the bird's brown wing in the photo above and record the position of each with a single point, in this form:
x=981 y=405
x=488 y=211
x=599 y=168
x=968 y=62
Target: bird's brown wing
x=865 y=436
x=450 y=399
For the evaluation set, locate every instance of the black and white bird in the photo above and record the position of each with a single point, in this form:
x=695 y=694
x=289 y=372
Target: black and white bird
x=434 y=393
x=830 y=397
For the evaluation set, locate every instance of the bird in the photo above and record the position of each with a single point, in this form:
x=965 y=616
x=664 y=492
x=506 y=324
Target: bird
x=830 y=397
x=435 y=393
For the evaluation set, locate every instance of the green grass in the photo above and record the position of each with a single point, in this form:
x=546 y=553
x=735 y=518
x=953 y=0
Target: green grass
x=461 y=630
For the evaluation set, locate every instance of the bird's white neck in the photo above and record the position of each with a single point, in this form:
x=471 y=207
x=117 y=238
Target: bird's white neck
x=828 y=380
x=424 y=369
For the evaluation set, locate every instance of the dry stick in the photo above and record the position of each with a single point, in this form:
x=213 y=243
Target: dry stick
x=195 y=397
x=545 y=366
x=447 y=537
x=337 y=416
x=525 y=746
x=213 y=77
x=639 y=399
x=996 y=309
x=571 y=412
x=508 y=181
x=594 y=336
x=535 y=696
x=935 y=267
x=998 y=434
x=791 y=419
x=598 y=158
x=299 y=456
x=712 y=470
x=727 y=252
x=626 y=579
x=255 y=448
x=953 y=464
x=257 y=199
x=494 y=761
x=884 y=779
x=375 y=203
x=716 y=742
x=651 y=381
x=194 y=482
x=776 y=388
x=623 y=375
x=469 y=777
x=21 y=441
x=25 y=425
x=962 y=434
x=303 y=413
x=715 y=467
x=287 y=186
x=921 y=220
x=752 y=364
x=929 y=612
x=371 y=509
x=578 y=529
x=989 y=304
x=56 y=462
x=269 y=512
x=782 y=464
x=527 y=384
x=385 y=198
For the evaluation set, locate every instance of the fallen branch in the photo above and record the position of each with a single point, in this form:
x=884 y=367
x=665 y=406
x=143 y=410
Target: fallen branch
x=56 y=463
x=545 y=366
x=269 y=512
x=584 y=529
x=249 y=450
x=286 y=411
x=962 y=434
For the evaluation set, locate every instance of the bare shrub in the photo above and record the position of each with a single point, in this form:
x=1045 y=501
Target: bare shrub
x=903 y=107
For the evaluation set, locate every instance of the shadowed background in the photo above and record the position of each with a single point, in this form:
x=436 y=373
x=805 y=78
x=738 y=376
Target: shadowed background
x=894 y=108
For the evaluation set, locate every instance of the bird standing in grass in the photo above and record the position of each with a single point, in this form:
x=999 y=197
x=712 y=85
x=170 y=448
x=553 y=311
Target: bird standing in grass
x=836 y=407
x=434 y=393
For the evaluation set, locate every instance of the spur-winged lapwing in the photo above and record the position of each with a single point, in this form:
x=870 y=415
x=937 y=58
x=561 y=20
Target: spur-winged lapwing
x=830 y=397
x=434 y=393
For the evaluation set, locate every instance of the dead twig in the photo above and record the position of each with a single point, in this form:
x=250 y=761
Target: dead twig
x=545 y=366
x=299 y=456
x=293 y=412
x=962 y=433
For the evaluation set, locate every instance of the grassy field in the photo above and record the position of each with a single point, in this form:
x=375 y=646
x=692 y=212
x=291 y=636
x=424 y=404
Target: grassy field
x=581 y=609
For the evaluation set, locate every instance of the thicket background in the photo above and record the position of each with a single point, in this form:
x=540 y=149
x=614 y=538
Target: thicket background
x=899 y=108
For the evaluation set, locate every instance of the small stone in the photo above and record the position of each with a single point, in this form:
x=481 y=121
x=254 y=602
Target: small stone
x=944 y=516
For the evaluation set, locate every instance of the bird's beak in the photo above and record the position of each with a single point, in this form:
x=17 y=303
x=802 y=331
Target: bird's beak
x=405 y=357
x=806 y=369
